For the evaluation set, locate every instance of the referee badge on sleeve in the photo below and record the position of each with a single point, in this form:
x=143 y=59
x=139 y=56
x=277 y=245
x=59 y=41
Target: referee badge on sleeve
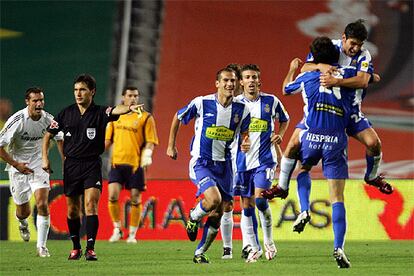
x=90 y=133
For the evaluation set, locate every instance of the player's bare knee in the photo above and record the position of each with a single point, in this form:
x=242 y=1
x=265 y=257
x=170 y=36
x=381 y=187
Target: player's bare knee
x=42 y=208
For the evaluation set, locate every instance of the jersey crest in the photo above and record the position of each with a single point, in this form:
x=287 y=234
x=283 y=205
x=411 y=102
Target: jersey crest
x=91 y=133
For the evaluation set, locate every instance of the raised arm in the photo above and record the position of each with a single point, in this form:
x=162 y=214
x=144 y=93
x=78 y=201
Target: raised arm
x=172 y=148
x=294 y=65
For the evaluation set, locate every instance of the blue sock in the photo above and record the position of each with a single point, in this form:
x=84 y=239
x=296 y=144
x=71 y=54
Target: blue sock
x=304 y=188
x=339 y=223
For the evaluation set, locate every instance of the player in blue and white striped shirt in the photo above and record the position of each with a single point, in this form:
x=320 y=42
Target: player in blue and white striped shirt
x=327 y=115
x=351 y=54
x=219 y=119
x=255 y=169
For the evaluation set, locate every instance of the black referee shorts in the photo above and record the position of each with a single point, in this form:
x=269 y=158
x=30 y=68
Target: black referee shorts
x=79 y=175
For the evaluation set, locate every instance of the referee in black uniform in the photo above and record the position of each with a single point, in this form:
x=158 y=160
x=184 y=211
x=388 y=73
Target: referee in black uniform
x=83 y=125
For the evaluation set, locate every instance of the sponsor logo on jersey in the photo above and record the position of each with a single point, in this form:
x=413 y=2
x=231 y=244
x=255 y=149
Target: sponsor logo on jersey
x=209 y=115
x=220 y=133
x=321 y=138
x=258 y=125
x=364 y=65
x=91 y=133
x=329 y=108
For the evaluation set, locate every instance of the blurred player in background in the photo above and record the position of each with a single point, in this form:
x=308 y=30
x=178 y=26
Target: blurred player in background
x=219 y=119
x=327 y=115
x=23 y=133
x=256 y=168
x=83 y=125
x=133 y=137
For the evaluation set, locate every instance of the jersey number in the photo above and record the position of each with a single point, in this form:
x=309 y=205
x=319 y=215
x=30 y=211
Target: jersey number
x=335 y=90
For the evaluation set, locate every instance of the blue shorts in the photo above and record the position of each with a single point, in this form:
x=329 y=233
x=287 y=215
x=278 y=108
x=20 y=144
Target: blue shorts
x=357 y=123
x=208 y=173
x=260 y=177
x=330 y=147
x=124 y=175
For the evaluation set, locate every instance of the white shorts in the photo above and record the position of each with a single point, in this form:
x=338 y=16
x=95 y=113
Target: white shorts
x=23 y=185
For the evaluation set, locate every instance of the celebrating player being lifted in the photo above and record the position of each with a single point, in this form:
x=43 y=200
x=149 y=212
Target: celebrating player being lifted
x=23 y=132
x=219 y=119
x=327 y=115
x=351 y=53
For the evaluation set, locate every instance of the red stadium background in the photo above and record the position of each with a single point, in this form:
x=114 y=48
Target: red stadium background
x=201 y=37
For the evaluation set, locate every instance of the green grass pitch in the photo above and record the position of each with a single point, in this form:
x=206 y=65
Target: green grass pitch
x=175 y=258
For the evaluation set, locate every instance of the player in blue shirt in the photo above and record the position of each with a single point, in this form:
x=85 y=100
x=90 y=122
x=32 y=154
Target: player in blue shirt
x=351 y=54
x=327 y=114
x=255 y=169
x=219 y=119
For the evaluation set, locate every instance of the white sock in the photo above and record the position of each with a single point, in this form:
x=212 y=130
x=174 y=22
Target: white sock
x=43 y=225
x=132 y=231
x=249 y=237
x=226 y=229
x=266 y=222
x=287 y=165
x=210 y=237
x=375 y=167
x=198 y=212
x=117 y=224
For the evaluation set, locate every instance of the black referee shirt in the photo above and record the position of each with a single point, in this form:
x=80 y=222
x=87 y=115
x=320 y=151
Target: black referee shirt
x=84 y=135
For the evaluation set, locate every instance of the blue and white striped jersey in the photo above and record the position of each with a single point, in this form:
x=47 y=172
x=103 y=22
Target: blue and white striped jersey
x=325 y=108
x=263 y=111
x=362 y=61
x=215 y=126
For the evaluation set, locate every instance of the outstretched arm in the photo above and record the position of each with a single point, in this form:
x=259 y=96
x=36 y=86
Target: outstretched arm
x=172 y=148
x=123 y=109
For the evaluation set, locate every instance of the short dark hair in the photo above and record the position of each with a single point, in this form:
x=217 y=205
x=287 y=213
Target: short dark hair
x=356 y=30
x=35 y=90
x=324 y=51
x=129 y=88
x=225 y=69
x=253 y=67
x=87 y=79
x=236 y=67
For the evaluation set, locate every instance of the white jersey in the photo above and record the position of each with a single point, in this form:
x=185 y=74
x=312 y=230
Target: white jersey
x=264 y=111
x=24 y=137
x=215 y=126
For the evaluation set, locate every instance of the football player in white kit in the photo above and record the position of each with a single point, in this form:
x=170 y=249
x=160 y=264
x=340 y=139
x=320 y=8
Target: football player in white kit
x=23 y=133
